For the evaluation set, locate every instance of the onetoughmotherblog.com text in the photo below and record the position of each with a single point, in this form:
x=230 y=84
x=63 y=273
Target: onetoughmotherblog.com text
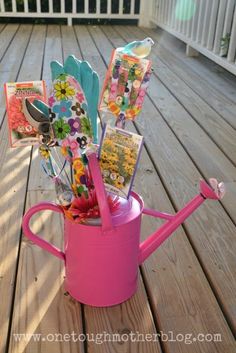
x=100 y=338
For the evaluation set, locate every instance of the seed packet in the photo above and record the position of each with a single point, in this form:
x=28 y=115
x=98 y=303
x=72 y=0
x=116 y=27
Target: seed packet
x=21 y=132
x=125 y=85
x=119 y=155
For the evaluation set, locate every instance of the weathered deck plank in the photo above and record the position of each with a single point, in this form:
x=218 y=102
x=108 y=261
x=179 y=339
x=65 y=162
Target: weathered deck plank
x=223 y=134
x=2 y=26
x=206 y=70
x=11 y=61
x=13 y=175
x=40 y=305
x=6 y=35
x=212 y=96
x=105 y=48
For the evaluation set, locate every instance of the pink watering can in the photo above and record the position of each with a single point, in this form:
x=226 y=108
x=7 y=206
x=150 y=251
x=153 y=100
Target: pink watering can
x=101 y=261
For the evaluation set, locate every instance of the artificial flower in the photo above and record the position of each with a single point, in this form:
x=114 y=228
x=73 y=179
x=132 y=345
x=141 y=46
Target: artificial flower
x=61 y=129
x=80 y=97
x=78 y=109
x=70 y=148
x=44 y=152
x=63 y=109
x=86 y=126
x=63 y=90
x=86 y=206
x=79 y=169
x=74 y=126
x=51 y=101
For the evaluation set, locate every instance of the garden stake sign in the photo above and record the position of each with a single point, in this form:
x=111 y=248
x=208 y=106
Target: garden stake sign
x=101 y=228
x=125 y=86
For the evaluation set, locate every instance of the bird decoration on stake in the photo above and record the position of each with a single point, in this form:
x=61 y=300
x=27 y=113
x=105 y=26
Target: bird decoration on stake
x=140 y=49
x=126 y=81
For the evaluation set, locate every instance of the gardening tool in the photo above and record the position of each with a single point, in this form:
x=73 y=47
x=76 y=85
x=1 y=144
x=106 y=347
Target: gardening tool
x=101 y=261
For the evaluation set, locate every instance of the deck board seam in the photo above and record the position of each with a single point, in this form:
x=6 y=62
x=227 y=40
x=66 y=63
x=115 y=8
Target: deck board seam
x=176 y=209
x=9 y=43
x=4 y=26
x=44 y=46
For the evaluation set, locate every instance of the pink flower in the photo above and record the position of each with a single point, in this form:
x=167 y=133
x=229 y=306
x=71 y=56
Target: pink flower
x=86 y=207
x=73 y=145
x=72 y=81
x=51 y=101
x=80 y=97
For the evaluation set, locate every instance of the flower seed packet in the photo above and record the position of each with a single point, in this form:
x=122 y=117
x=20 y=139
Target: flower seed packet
x=119 y=155
x=21 y=132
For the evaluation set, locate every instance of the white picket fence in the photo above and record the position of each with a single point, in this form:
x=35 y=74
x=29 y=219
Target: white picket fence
x=211 y=30
x=119 y=13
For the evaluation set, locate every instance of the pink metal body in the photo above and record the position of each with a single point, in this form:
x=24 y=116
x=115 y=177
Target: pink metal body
x=102 y=262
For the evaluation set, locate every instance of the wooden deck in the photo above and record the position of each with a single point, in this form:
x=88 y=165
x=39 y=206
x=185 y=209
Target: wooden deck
x=188 y=285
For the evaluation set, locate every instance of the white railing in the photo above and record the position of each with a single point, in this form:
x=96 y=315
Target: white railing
x=206 y=26
x=115 y=9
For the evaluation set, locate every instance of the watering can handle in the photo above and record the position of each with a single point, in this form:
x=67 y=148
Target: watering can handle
x=101 y=193
x=35 y=238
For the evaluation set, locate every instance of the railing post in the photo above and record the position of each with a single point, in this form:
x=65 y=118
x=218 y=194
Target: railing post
x=146 y=8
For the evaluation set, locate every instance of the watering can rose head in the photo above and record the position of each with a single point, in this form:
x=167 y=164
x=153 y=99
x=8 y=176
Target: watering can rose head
x=212 y=190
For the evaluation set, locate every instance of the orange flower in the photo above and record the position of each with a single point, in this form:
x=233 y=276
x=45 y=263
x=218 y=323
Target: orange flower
x=85 y=207
x=78 y=169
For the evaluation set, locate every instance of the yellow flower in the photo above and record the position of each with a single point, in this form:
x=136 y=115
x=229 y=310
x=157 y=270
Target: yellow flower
x=130 y=160
x=118 y=184
x=105 y=156
x=64 y=151
x=78 y=169
x=44 y=152
x=128 y=168
x=63 y=90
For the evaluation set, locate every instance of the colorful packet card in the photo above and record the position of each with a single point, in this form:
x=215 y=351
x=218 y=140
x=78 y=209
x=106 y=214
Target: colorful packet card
x=125 y=85
x=119 y=155
x=21 y=132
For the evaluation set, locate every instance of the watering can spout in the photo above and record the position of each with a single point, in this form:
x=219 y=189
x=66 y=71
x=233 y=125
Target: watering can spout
x=213 y=190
